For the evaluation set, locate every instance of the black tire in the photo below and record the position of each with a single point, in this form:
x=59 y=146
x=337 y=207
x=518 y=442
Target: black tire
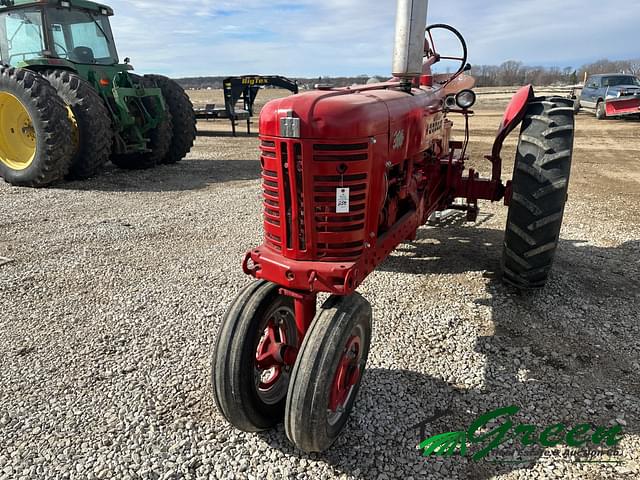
x=182 y=115
x=540 y=184
x=234 y=375
x=309 y=423
x=601 y=110
x=94 y=133
x=49 y=130
x=159 y=138
x=576 y=106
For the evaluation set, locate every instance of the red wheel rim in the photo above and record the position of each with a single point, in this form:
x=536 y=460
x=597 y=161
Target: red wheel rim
x=269 y=363
x=347 y=375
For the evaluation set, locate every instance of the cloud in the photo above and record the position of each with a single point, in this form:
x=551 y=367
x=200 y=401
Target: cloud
x=310 y=38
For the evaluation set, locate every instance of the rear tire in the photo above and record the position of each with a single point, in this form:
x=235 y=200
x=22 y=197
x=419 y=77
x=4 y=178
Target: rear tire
x=35 y=131
x=240 y=392
x=328 y=372
x=182 y=115
x=540 y=185
x=159 y=138
x=94 y=133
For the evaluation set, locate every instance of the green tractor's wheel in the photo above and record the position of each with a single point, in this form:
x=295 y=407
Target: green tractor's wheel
x=35 y=131
x=182 y=115
x=94 y=137
x=159 y=137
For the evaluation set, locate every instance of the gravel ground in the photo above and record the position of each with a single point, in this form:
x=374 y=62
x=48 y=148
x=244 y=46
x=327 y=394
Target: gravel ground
x=112 y=292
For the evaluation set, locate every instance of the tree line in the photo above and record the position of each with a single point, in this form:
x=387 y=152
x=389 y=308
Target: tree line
x=510 y=73
x=516 y=73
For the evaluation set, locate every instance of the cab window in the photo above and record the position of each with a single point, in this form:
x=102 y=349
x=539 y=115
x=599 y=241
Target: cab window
x=620 y=80
x=21 y=36
x=82 y=36
x=593 y=83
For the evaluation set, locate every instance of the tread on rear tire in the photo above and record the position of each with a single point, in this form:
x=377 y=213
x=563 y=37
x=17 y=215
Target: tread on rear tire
x=540 y=184
x=51 y=128
x=182 y=115
x=95 y=135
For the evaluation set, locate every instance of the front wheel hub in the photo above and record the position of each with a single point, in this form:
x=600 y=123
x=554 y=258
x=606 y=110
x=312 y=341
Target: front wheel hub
x=346 y=377
x=274 y=356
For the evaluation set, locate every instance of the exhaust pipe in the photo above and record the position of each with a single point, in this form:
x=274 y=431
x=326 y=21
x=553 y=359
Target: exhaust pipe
x=408 y=54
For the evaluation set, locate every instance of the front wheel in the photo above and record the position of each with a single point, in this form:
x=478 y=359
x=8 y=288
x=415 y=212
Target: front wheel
x=539 y=192
x=248 y=374
x=601 y=110
x=328 y=372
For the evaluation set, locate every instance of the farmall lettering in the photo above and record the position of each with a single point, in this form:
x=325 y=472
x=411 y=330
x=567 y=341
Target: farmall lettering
x=398 y=139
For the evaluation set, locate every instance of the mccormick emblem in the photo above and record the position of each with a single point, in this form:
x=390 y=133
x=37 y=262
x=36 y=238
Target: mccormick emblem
x=398 y=140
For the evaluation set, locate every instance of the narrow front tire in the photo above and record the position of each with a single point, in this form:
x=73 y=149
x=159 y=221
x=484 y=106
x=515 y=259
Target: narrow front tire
x=328 y=373
x=250 y=394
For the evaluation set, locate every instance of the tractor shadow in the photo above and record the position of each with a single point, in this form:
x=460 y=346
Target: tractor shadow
x=183 y=176
x=566 y=354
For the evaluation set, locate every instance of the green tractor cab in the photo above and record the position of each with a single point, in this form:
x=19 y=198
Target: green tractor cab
x=67 y=104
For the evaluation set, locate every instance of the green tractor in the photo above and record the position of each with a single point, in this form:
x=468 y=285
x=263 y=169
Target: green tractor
x=68 y=106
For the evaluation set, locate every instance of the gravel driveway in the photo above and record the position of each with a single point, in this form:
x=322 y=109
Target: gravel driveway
x=113 y=291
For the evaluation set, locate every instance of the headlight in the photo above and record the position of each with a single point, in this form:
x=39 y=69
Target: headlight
x=466 y=99
x=450 y=102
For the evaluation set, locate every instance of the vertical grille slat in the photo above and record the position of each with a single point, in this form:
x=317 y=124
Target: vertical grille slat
x=286 y=189
x=299 y=165
x=271 y=189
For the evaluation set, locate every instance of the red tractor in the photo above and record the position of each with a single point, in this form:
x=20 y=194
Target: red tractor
x=348 y=175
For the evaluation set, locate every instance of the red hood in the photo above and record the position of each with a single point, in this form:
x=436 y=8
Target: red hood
x=341 y=113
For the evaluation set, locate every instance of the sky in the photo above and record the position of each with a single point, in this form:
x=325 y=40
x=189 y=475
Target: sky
x=310 y=38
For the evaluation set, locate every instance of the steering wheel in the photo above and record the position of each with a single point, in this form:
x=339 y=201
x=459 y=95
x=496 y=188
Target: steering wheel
x=432 y=51
x=65 y=53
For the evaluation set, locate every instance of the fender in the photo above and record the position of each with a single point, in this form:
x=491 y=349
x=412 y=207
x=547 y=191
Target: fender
x=513 y=116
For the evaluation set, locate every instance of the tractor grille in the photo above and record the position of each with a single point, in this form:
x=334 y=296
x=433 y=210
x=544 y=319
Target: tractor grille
x=304 y=224
x=271 y=195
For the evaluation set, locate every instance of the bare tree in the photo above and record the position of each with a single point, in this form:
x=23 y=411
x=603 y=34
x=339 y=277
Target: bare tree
x=634 y=67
